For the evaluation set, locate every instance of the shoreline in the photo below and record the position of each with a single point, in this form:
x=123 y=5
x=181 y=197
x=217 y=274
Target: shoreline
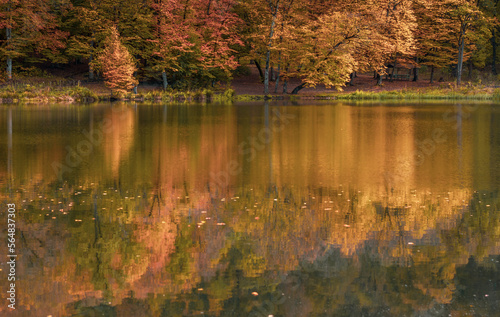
x=21 y=93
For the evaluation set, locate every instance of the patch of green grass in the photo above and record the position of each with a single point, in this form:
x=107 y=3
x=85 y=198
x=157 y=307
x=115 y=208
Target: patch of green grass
x=44 y=93
x=463 y=93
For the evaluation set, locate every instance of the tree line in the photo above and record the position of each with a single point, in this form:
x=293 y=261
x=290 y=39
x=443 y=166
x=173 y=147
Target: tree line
x=194 y=43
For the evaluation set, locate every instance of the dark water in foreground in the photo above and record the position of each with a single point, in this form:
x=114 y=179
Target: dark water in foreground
x=252 y=209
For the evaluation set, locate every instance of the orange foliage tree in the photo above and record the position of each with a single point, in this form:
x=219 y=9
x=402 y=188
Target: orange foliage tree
x=31 y=32
x=117 y=64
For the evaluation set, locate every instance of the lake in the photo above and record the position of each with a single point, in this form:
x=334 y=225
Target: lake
x=252 y=209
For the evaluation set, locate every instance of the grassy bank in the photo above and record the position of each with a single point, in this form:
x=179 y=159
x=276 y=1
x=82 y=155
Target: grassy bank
x=204 y=95
x=479 y=93
x=451 y=93
x=40 y=93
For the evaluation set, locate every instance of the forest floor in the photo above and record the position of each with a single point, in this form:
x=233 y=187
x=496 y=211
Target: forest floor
x=251 y=85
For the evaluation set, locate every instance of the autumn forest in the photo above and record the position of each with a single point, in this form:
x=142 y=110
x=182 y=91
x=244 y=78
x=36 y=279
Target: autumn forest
x=195 y=43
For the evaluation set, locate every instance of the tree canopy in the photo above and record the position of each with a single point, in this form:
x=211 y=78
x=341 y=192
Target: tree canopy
x=195 y=43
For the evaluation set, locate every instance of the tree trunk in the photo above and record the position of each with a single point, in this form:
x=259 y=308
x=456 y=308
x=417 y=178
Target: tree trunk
x=135 y=87
x=415 y=70
x=469 y=75
x=394 y=67
x=8 y=33
x=432 y=74
x=278 y=75
x=285 y=81
x=91 y=70
x=296 y=89
x=351 y=79
x=9 y=68
x=494 y=47
x=273 y=74
x=268 y=53
x=266 y=71
x=379 y=79
x=165 y=81
x=261 y=74
x=461 y=48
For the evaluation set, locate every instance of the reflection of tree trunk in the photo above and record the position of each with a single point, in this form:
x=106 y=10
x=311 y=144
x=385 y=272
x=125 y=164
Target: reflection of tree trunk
x=267 y=125
x=9 y=150
x=157 y=189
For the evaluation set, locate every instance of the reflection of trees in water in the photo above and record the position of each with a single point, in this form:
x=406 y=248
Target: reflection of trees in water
x=349 y=248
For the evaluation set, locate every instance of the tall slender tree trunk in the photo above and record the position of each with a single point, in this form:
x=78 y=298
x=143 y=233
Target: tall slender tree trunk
x=461 y=48
x=277 y=75
x=432 y=74
x=494 y=47
x=261 y=74
x=469 y=75
x=394 y=66
x=415 y=70
x=268 y=52
x=164 y=78
x=8 y=35
x=285 y=81
x=91 y=70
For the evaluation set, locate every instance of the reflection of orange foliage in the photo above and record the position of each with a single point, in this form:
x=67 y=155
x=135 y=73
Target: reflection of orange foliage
x=158 y=237
x=189 y=156
x=119 y=137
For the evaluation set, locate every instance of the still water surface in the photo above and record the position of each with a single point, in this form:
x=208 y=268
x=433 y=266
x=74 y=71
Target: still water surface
x=253 y=209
